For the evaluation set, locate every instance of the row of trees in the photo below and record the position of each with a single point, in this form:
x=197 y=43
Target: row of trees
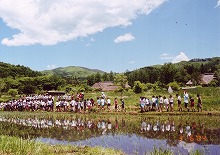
x=14 y=71
x=25 y=81
x=169 y=72
x=31 y=85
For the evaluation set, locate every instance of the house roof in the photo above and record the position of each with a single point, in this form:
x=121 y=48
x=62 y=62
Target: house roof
x=106 y=86
x=206 y=78
x=189 y=82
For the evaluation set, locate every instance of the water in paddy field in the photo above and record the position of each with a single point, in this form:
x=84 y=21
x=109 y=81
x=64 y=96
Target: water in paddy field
x=133 y=135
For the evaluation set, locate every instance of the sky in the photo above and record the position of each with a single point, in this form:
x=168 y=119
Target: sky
x=110 y=35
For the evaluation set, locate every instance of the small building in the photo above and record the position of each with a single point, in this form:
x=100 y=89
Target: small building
x=207 y=78
x=189 y=83
x=106 y=86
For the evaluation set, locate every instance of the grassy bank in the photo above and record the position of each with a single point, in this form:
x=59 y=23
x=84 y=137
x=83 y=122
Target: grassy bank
x=18 y=146
x=13 y=145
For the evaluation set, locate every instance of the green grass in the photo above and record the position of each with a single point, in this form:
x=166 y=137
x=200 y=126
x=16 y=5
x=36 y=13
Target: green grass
x=210 y=97
x=18 y=146
x=160 y=151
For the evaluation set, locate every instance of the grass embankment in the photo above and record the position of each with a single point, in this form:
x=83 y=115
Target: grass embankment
x=13 y=145
x=210 y=97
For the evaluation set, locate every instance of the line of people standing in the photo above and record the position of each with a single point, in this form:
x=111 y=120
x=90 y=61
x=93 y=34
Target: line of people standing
x=161 y=103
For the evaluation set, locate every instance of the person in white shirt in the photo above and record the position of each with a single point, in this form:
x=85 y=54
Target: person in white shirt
x=103 y=103
x=72 y=104
x=161 y=103
x=186 y=100
x=179 y=102
x=108 y=104
x=166 y=102
x=171 y=103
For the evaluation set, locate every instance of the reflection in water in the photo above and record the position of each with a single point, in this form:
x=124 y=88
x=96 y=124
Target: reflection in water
x=170 y=132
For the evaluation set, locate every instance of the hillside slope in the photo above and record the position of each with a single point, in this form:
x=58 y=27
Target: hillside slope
x=80 y=72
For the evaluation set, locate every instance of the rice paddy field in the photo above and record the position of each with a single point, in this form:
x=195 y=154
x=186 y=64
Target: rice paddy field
x=103 y=132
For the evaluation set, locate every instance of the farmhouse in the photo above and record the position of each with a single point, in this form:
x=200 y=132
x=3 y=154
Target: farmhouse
x=207 y=78
x=106 y=86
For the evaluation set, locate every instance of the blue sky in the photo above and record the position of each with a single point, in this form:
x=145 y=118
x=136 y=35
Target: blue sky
x=109 y=35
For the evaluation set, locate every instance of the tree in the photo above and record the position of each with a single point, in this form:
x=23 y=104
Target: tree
x=13 y=92
x=2 y=86
x=217 y=75
x=90 y=80
x=111 y=76
x=121 y=80
x=105 y=77
x=168 y=72
x=213 y=83
x=196 y=76
x=97 y=77
x=138 y=87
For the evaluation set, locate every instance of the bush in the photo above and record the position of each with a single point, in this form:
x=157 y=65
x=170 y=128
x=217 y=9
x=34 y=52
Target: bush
x=137 y=87
x=13 y=92
x=213 y=83
x=174 y=85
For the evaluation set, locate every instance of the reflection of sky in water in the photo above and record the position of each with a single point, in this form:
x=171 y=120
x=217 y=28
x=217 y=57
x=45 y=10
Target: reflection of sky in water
x=133 y=144
x=156 y=133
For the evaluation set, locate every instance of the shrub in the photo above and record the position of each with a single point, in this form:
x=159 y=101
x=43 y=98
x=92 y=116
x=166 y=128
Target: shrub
x=213 y=83
x=137 y=87
x=13 y=92
x=174 y=85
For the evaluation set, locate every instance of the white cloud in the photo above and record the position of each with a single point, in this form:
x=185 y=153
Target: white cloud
x=166 y=56
x=50 y=67
x=218 y=3
x=52 y=21
x=174 y=59
x=124 y=38
x=181 y=57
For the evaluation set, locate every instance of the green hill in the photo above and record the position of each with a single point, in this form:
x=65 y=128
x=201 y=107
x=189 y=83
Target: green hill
x=180 y=72
x=9 y=70
x=80 y=72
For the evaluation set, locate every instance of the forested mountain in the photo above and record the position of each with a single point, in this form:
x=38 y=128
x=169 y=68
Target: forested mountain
x=72 y=71
x=7 y=70
x=179 y=72
x=23 y=80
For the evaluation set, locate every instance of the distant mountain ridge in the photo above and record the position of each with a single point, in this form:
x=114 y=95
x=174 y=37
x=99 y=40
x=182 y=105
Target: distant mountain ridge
x=76 y=71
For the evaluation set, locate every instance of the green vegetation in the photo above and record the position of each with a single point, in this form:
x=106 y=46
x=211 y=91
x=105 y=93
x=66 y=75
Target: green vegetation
x=77 y=79
x=160 y=151
x=147 y=81
x=72 y=71
x=130 y=126
x=180 y=72
x=19 y=146
x=12 y=145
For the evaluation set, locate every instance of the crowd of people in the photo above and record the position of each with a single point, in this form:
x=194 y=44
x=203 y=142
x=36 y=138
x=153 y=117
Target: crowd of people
x=79 y=104
x=64 y=103
x=161 y=103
